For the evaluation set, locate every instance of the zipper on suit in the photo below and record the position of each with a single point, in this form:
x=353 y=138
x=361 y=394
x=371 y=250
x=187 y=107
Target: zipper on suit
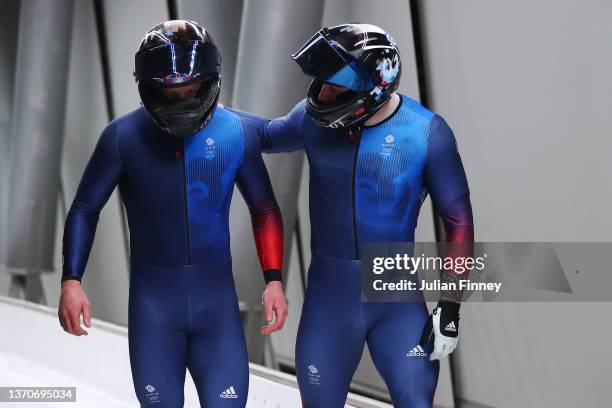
x=185 y=207
x=357 y=136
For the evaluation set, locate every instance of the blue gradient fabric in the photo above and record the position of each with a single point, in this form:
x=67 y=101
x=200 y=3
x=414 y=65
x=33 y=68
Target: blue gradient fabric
x=369 y=188
x=183 y=309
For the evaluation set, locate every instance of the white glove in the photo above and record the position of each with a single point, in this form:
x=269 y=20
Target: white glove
x=443 y=324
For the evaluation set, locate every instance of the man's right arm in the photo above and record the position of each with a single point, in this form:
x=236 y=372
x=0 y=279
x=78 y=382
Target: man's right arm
x=281 y=134
x=98 y=182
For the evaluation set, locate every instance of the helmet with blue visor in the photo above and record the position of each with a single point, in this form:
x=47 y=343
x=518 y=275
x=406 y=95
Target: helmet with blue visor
x=360 y=57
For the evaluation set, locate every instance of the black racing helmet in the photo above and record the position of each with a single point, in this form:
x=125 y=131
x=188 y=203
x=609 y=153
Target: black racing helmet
x=172 y=54
x=361 y=57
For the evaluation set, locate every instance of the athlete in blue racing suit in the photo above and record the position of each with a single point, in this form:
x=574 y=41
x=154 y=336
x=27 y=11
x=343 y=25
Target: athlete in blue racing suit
x=365 y=186
x=183 y=309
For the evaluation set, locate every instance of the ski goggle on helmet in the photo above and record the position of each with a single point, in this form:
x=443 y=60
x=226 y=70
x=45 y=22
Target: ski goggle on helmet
x=172 y=54
x=360 y=57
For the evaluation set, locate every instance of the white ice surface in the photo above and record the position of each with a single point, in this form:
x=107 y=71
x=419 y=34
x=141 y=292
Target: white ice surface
x=20 y=372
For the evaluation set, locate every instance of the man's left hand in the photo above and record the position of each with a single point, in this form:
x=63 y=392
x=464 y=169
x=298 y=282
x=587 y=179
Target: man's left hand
x=275 y=307
x=443 y=325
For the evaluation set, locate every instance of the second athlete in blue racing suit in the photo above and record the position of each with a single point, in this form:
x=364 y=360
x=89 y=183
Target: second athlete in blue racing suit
x=365 y=186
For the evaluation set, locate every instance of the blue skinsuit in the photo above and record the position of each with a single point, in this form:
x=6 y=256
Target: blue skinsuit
x=183 y=310
x=369 y=190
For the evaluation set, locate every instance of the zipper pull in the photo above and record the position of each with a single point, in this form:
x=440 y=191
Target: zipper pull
x=354 y=133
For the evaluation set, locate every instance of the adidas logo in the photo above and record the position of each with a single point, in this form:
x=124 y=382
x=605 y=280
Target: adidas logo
x=451 y=327
x=229 y=393
x=417 y=351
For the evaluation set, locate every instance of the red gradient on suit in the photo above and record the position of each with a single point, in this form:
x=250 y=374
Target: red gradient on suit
x=268 y=233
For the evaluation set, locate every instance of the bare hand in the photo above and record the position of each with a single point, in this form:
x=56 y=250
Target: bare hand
x=275 y=307
x=72 y=304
